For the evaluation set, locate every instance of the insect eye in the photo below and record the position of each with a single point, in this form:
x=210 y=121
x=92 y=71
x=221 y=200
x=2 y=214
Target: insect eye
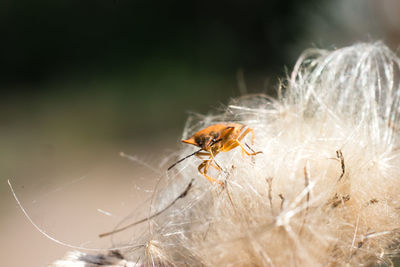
x=214 y=135
x=199 y=141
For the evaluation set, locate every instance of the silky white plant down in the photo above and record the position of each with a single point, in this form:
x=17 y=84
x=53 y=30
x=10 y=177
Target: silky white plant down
x=324 y=192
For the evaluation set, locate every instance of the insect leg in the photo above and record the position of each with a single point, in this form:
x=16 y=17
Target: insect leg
x=199 y=154
x=213 y=164
x=251 y=131
x=205 y=165
x=248 y=130
x=216 y=166
x=237 y=142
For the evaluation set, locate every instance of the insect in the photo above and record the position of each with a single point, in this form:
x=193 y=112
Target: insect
x=217 y=138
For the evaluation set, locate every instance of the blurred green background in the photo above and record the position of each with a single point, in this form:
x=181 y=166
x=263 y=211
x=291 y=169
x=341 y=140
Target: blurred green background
x=126 y=70
x=82 y=80
x=83 y=75
x=131 y=69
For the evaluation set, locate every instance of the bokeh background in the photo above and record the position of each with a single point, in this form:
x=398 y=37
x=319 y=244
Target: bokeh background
x=81 y=81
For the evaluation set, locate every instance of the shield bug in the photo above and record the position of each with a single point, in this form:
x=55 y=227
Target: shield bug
x=217 y=138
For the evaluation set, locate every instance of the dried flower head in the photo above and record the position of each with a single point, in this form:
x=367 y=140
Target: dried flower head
x=325 y=190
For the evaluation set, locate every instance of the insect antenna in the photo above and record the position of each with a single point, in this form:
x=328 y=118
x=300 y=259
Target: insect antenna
x=213 y=142
x=188 y=156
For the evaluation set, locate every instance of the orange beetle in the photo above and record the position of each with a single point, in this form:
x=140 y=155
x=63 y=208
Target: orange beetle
x=217 y=138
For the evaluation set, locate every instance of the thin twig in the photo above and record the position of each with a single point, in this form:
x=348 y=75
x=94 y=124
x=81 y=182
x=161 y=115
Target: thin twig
x=182 y=195
x=282 y=201
x=339 y=155
x=269 y=182
x=306 y=183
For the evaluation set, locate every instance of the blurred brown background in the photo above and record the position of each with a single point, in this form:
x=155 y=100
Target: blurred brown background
x=82 y=81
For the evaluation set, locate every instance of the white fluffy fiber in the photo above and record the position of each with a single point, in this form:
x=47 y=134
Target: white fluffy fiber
x=325 y=191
